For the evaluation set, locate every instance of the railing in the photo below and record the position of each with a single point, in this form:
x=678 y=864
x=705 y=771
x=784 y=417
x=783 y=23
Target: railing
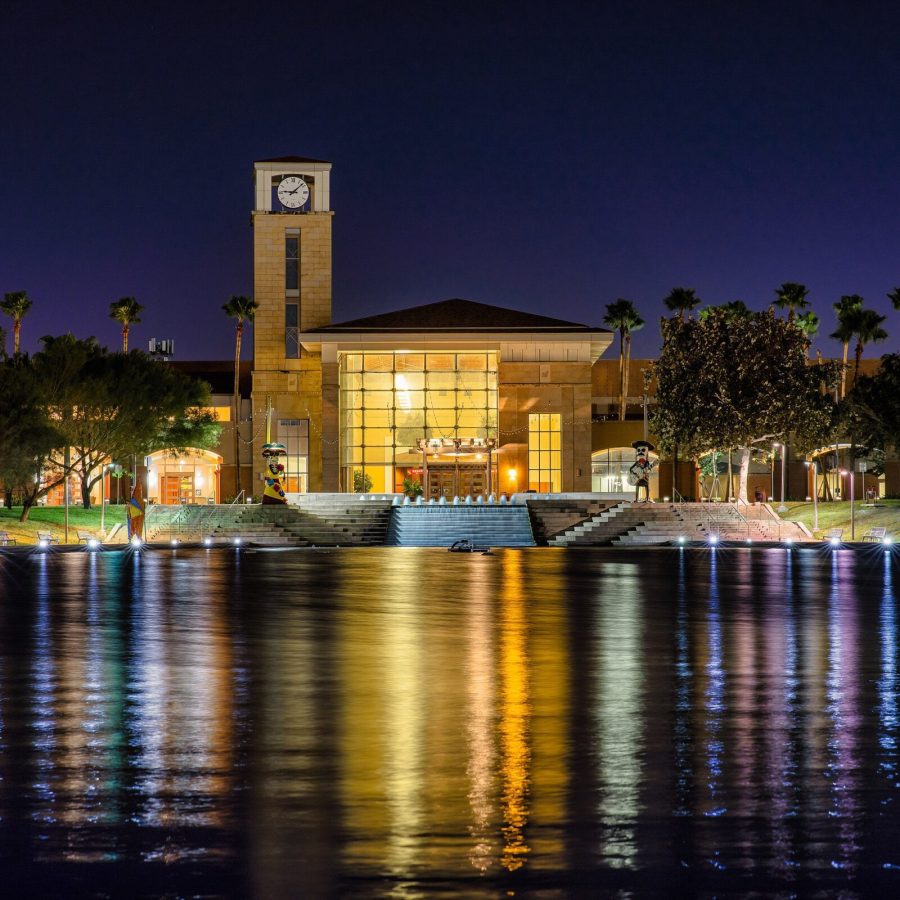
x=238 y=498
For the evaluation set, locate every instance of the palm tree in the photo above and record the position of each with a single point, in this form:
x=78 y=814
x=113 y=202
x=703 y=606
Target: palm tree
x=238 y=308
x=16 y=304
x=734 y=309
x=847 y=308
x=894 y=297
x=623 y=316
x=791 y=296
x=868 y=330
x=808 y=323
x=127 y=311
x=681 y=300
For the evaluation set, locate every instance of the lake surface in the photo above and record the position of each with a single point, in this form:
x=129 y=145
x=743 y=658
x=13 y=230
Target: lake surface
x=408 y=723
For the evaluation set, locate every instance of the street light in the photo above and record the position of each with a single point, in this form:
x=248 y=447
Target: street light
x=852 y=516
x=815 y=493
x=782 y=508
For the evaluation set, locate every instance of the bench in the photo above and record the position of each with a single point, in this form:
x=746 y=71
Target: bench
x=875 y=534
x=47 y=537
x=833 y=534
x=5 y=538
x=85 y=536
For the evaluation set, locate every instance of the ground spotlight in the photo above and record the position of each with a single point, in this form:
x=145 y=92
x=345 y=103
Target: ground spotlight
x=174 y=542
x=207 y=542
x=749 y=540
x=681 y=539
x=789 y=542
x=887 y=539
x=237 y=541
x=93 y=544
x=835 y=542
x=713 y=539
x=43 y=544
x=135 y=541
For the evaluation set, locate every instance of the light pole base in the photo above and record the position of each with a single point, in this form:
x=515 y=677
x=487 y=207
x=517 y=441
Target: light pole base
x=781 y=509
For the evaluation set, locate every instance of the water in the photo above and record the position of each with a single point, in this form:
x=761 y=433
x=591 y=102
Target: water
x=406 y=723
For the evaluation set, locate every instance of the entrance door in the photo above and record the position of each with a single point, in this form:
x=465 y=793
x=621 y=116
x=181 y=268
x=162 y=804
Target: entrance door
x=177 y=488
x=472 y=480
x=441 y=482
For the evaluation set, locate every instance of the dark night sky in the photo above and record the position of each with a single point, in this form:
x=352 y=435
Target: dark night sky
x=550 y=157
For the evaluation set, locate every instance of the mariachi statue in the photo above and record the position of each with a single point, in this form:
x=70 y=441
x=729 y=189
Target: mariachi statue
x=274 y=492
x=639 y=473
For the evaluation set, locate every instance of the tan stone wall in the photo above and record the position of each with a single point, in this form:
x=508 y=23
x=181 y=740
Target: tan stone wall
x=294 y=385
x=554 y=387
x=268 y=281
x=295 y=395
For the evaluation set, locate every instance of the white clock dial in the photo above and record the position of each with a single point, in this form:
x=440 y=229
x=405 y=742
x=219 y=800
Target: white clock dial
x=293 y=192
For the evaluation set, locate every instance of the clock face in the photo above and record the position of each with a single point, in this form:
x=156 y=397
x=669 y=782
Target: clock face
x=293 y=191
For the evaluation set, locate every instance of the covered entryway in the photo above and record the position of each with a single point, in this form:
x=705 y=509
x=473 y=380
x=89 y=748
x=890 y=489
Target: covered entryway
x=457 y=468
x=191 y=476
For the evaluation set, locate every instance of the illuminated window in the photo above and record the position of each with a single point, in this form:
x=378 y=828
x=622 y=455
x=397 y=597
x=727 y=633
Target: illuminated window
x=544 y=456
x=389 y=401
x=222 y=413
x=294 y=434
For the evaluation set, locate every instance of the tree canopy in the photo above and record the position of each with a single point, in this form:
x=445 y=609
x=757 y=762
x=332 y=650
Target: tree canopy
x=106 y=406
x=735 y=378
x=872 y=408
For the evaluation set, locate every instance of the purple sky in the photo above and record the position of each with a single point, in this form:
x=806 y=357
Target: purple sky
x=548 y=157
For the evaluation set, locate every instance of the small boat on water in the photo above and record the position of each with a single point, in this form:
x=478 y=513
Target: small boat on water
x=466 y=546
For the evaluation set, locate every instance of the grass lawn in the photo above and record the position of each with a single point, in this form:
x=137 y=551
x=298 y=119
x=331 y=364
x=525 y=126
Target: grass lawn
x=837 y=515
x=52 y=518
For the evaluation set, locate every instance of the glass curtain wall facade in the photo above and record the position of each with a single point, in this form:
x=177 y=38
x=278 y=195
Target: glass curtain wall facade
x=389 y=401
x=609 y=471
x=544 y=453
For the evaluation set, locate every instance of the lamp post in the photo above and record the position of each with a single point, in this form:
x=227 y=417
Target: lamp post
x=102 y=500
x=772 y=491
x=815 y=492
x=852 y=516
x=782 y=508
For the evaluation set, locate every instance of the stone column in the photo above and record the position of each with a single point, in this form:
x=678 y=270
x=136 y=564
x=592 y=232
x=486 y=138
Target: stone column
x=330 y=428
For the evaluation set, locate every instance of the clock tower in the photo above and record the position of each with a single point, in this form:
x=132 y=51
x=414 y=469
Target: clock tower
x=292 y=285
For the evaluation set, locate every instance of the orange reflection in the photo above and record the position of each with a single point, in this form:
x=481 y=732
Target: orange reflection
x=514 y=715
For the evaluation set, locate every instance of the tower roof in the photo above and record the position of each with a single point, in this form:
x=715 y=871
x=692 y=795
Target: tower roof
x=293 y=159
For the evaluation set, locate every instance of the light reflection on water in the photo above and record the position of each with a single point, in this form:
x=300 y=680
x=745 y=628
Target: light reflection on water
x=404 y=723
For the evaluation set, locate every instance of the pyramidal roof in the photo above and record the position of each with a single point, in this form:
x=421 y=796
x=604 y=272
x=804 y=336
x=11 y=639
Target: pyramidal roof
x=456 y=315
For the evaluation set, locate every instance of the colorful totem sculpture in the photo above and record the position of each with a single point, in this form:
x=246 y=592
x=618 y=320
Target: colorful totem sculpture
x=639 y=473
x=274 y=492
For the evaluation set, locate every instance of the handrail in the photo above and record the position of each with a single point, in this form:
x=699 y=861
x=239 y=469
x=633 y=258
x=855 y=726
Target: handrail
x=236 y=499
x=676 y=496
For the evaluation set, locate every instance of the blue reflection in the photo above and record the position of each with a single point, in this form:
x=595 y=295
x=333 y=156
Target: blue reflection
x=683 y=706
x=715 y=696
x=887 y=683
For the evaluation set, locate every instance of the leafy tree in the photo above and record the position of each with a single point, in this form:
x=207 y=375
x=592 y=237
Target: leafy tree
x=127 y=311
x=792 y=297
x=734 y=309
x=239 y=309
x=846 y=310
x=16 y=305
x=867 y=330
x=27 y=438
x=623 y=317
x=808 y=323
x=730 y=380
x=681 y=300
x=894 y=297
x=872 y=408
x=115 y=406
x=362 y=482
